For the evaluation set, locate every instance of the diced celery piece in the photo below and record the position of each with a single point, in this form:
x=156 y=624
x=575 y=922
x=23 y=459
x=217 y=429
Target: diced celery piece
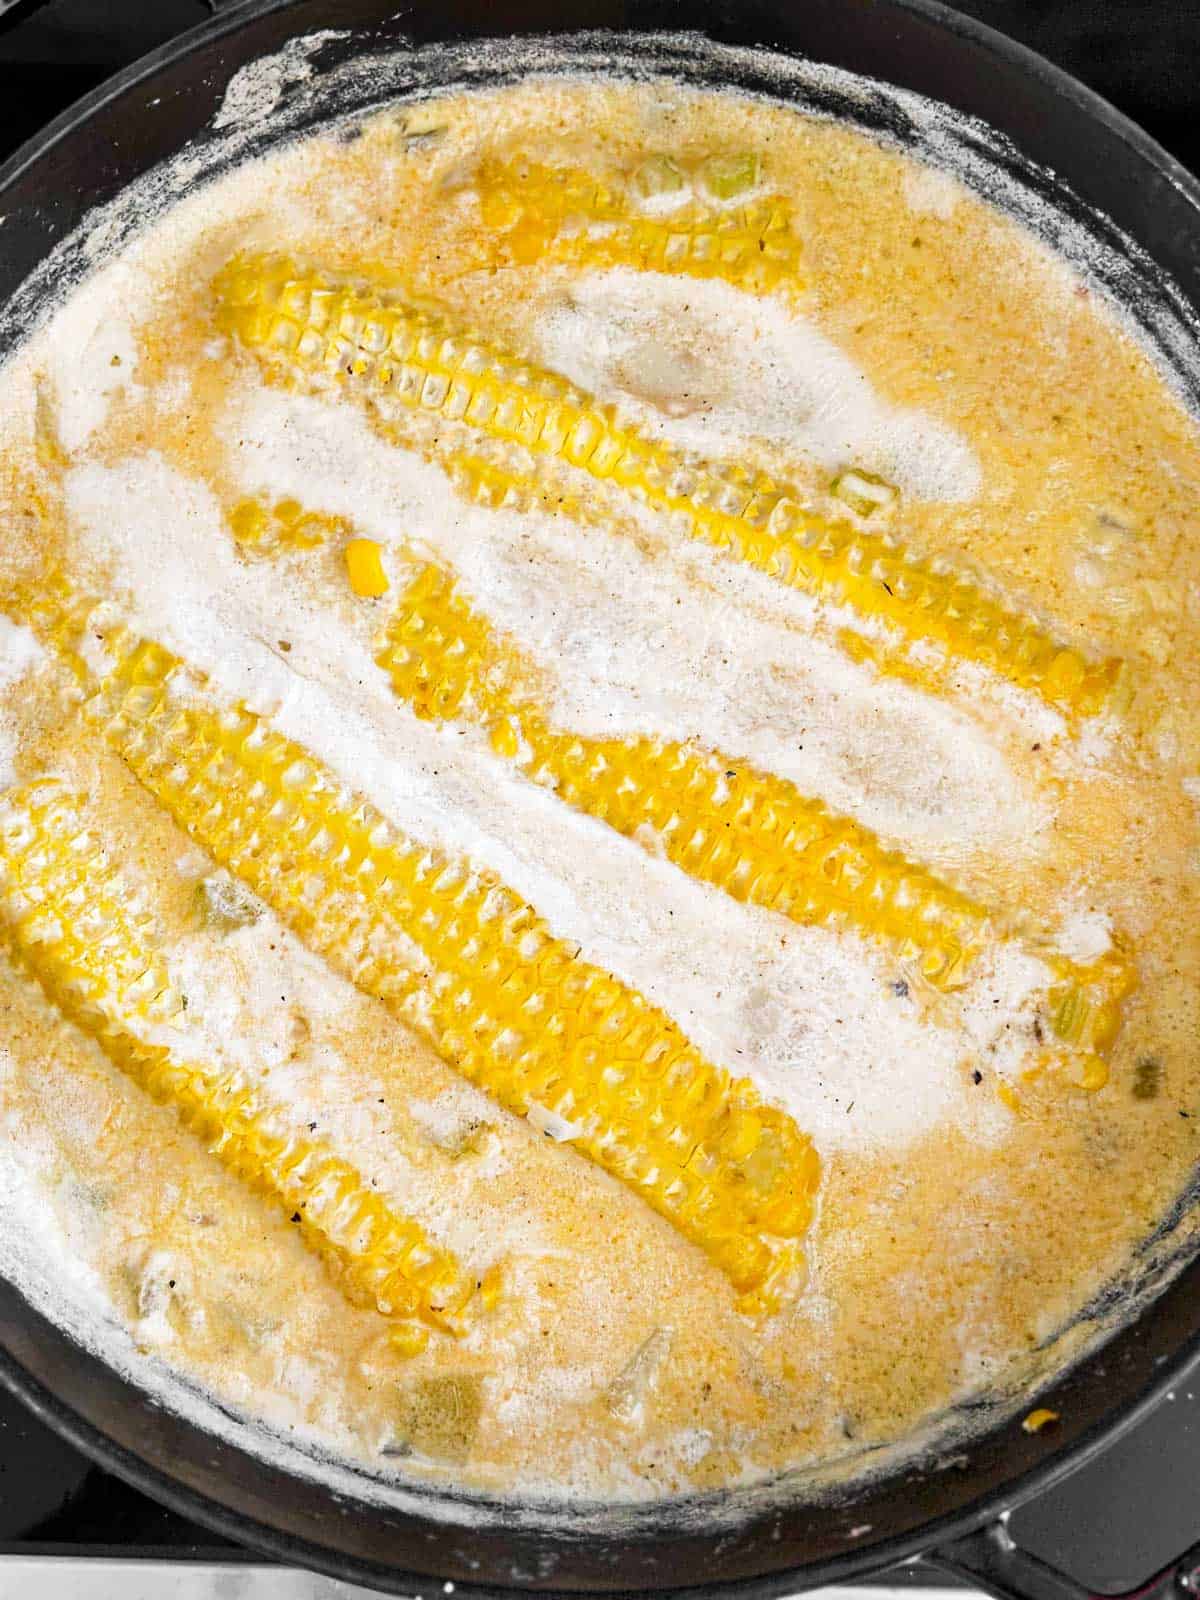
x=657 y=175
x=223 y=905
x=1147 y=1078
x=424 y=124
x=626 y=1394
x=731 y=173
x=560 y=1129
x=467 y=1139
x=439 y=1417
x=863 y=492
x=45 y=427
x=456 y=1122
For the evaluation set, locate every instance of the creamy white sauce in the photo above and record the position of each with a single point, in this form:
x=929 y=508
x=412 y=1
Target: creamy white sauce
x=1084 y=934
x=929 y=192
x=93 y=356
x=999 y=1007
x=19 y=651
x=741 y=366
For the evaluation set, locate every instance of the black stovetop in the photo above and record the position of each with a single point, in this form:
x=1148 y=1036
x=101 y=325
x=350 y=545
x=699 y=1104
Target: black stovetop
x=1112 y=1524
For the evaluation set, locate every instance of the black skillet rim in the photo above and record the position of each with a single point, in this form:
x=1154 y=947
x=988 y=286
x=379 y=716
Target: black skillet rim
x=253 y=1534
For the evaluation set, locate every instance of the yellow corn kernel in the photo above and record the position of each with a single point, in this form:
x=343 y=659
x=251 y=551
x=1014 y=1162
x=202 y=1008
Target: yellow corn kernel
x=506 y=741
x=284 y=525
x=248 y=522
x=491 y=1288
x=408 y=1338
x=1008 y=1096
x=533 y=212
x=783 y=1282
x=750 y=834
x=302 y=322
x=364 y=568
x=65 y=917
x=444 y=659
x=489 y=476
x=886 y=659
x=1039 y=1419
x=61 y=618
x=512 y=1007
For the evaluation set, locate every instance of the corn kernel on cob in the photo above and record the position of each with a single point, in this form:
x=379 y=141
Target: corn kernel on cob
x=267 y=527
x=750 y=834
x=305 y=323
x=466 y=962
x=534 y=212
x=61 y=618
x=65 y=916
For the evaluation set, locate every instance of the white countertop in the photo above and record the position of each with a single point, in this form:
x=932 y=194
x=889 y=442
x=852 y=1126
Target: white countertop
x=73 y=1578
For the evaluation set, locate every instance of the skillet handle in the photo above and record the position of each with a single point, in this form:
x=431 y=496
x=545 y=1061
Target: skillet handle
x=991 y=1559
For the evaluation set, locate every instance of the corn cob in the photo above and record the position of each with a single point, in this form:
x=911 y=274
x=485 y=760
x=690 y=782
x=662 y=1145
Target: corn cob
x=534 y=213
x=65 y=916
x=511 y=1006
x=266 y=528
x=304 y=323
x=61 y=618
x=750 y=834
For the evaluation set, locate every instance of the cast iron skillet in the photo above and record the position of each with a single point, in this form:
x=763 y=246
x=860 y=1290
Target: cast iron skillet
x=949 y=1512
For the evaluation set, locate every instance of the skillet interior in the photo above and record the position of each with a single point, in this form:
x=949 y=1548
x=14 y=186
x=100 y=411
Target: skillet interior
x=143 y=119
